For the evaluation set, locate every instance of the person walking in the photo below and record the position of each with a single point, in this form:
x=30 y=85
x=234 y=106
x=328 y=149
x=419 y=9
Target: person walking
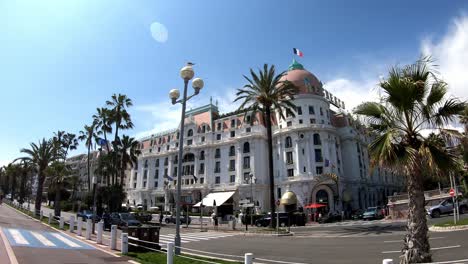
x=215 y=221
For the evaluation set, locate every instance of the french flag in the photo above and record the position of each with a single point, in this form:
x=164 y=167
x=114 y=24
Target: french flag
x=298 y=52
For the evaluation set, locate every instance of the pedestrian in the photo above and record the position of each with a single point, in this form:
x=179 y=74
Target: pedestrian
x=215 y=221
x=160 y=217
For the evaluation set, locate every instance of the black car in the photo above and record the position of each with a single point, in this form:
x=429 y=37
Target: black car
x=329 y=218
x=265 y=221
x=172 y=219
x=121 y=220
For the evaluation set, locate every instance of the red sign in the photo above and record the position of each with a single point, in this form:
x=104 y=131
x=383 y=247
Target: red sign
x=452 y=192
x=277 y=202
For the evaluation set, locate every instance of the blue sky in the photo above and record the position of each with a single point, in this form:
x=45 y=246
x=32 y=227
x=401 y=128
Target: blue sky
x=59 y=60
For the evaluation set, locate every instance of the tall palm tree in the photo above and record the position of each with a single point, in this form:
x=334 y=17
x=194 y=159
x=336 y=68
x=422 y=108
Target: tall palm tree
x=265 y=93
x=118 y=113
x=90 y=136
x=26 y=170
x=413 y=99
x=58 y=173
x=128 y=148
x=41 y=156
x=102 y=119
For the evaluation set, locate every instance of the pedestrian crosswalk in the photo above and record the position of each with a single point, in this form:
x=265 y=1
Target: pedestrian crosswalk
x=192 y=237
x=42 y=239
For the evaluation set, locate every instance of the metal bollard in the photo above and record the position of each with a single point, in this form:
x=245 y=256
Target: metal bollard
x=88 y=228
x=80 y=226
x=41 y=215
x=100 y=226
x=50 y=218
x=248 y=258
x=72 y=224
x=62 y=222
x=387 y=261
x=113 y=242
x=170 y=253
x=124 y=243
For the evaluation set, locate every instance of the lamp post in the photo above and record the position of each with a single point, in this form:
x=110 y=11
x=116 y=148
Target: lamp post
x=251 y=179
x=187 y=74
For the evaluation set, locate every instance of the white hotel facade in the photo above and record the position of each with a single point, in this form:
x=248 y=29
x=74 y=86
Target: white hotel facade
x=320 y=156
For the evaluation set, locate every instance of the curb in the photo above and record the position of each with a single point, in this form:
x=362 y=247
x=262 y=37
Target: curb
x=448 y=228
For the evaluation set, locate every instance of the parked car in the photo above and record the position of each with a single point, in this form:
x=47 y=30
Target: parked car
x=123 y=220
x=87 y=214
x=172 y=219
x=358 y=214
x=446 y=207
x=329 y=218
x=265 y=220
x=373 y=213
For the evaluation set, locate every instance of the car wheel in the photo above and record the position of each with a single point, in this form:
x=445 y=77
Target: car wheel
x=435 y=214
x=167 y=221
x=282 y=224
x=462 y=210
x=258 y=224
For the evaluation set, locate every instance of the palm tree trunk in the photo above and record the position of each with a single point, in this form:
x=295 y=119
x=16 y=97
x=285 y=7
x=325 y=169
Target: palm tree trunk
x=40 y=185
x=416 y=247
x=270 y=165
x=57 y=200
x=89 y=169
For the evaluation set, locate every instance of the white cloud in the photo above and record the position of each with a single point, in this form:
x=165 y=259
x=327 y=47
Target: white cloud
x=353 y=92
x=4 y=162
x=451 y=54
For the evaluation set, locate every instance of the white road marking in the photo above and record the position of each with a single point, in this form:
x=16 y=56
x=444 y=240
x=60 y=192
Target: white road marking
x=19 y=239
x=65 y=240
x=43 y=239
x=401 y=240
x=172 y=237
x=9 y=250
x=452 y=261
x=438 y=248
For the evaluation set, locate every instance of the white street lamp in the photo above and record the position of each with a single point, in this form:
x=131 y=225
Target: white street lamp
x=187 y=74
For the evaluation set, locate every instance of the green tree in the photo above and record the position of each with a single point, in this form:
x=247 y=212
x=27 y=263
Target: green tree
x=103 y=119
x=90 y=136
x=128 y=148
x=264 y=93
x=41 y=156
x=413 y=99
x=121 y=119
x=119 y=114
x=58 y=173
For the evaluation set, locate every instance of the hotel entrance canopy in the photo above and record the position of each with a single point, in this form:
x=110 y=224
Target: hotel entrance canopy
x=219 y=197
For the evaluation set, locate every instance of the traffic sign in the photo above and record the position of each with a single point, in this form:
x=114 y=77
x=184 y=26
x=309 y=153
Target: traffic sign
x=452 y=192
x=277 y=202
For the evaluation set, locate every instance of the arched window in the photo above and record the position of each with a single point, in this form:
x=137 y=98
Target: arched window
x=189 y=157
x=246 y=148
x=202 y=155
x=190 y=133
x=288 y=142
x=232 y=151
x=317 y=139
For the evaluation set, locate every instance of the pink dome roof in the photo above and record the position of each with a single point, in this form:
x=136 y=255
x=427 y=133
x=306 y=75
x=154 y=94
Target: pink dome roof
x=303 y=79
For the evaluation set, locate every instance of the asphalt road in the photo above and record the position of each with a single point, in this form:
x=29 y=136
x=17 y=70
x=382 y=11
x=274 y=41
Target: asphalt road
x=32 y=243
x=354 y=242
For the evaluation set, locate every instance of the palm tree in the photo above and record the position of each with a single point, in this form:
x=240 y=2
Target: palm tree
x=103 y=123
x=118 y=113
x=58 y=173
x=413 y=99
x=27 y=168
x=265 y=93
x=90 y=136
x=75 y=182
x=128 y=148
x=41 y=156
